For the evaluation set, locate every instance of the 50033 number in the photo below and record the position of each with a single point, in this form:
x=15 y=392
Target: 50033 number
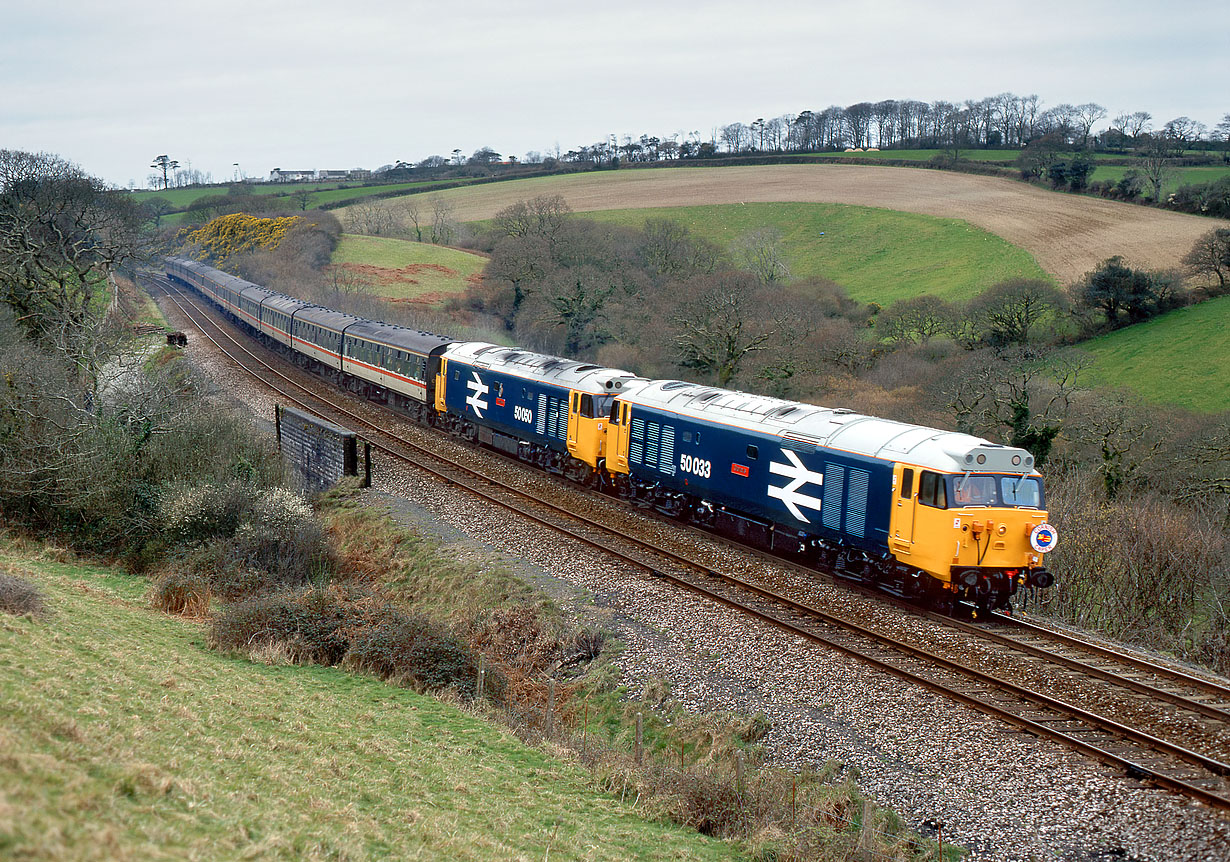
x=696 y=466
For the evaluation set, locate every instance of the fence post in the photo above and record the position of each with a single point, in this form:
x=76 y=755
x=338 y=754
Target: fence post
x=551 y=708
x=794 y=789
x=481 y=686
x=638 y=739
x=939 y=836
x=585 y=729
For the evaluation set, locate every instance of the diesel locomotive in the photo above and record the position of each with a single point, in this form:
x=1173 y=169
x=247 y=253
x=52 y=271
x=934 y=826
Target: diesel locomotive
x=933 y=515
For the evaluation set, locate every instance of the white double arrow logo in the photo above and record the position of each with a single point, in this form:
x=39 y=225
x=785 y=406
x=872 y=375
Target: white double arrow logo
x=799 y=476
x=478 y=391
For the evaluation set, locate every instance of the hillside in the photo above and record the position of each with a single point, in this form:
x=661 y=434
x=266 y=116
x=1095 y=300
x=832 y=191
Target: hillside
x=123 y=737
x=877 y=255
x=408 y=271
x=1066 y=234
x=1179 y=358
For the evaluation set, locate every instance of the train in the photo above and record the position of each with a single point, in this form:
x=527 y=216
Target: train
x=938 y=517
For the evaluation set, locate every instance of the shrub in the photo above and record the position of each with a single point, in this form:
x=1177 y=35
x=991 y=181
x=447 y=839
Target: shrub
x=309 y=623
x=197 y=513
x=411 y=649
x=179 y=592
x=245 y=540
x=18 y=596
x=354 y=628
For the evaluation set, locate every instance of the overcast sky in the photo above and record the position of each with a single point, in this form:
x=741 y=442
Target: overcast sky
x=305 y=84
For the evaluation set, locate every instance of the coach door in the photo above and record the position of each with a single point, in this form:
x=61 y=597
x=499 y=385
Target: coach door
x=905 y=498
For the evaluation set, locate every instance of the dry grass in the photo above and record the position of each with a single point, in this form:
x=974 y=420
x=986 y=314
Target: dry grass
x=1067 y=234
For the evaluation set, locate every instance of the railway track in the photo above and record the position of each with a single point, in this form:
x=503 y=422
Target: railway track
x=1197 y=771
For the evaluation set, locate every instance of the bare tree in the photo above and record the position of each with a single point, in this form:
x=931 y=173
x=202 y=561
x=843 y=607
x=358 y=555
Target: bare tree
x=1022 y=397
x=411 y=209
x=1122 y=437
x=543 y=217
x=1010 y=311
x=1184 y=131
x=760 y=252
x=919 y=318
x=670 y=250
x=302 y=198
x=1086 y=115
x=443 y=227
x=718 y=325
x=1210 y=256
x=1156 y=165
x=62 y=235
x=371 y=218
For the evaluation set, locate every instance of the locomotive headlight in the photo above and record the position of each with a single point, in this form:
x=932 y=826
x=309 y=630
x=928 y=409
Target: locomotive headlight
x=1003 y=528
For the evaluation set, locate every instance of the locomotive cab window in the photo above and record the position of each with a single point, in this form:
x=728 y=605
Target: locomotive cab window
x=753 y=452
x=907 y=483
x=587 y=406
x=932 y=490
x=974 y=491
x=1021 y=491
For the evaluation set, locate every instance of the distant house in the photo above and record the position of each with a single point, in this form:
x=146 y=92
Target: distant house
x=338 y=176
x=277 y=175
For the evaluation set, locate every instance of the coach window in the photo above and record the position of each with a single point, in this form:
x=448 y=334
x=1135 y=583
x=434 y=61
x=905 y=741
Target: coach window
x=932 y=490
x=907 y=483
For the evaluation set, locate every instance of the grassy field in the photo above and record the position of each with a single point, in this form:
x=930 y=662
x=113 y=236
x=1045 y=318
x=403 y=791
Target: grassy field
x=878 y=255
x=321 y=192
x=400 y=269
x=1179 y=177
x=123 y=737
x=1179 y=358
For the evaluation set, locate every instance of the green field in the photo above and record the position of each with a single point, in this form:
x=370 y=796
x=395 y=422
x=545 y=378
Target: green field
x=123 y=737
x=878 y=255
x=321 y=192
x=1179 y=358
x=1178 y=177
x=401 y=269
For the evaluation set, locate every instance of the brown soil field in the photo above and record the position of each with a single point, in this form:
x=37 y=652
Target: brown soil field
x=1067 y=234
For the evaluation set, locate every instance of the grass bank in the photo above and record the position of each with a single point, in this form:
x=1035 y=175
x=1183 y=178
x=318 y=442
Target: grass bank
x=401 y=269
x=1179 y=358
x=878 y=255
x=124 y=737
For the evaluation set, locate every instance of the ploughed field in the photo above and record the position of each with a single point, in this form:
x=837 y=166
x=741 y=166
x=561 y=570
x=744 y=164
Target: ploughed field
x=1067 y=234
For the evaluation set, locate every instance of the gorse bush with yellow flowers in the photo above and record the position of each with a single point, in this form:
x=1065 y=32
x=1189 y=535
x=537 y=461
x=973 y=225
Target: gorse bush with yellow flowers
x=237 y=233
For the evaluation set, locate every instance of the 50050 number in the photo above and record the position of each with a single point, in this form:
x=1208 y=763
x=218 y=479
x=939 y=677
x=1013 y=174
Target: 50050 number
x=696 y=466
